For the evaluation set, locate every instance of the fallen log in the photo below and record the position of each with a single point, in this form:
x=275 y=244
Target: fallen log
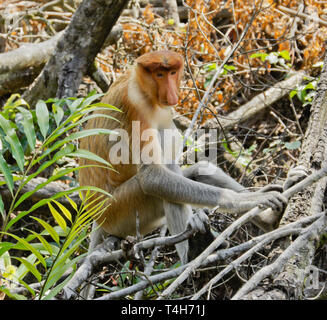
x=258 y=103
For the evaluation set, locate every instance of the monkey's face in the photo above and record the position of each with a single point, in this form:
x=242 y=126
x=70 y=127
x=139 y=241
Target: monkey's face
x=167 y=83
x=159 y=75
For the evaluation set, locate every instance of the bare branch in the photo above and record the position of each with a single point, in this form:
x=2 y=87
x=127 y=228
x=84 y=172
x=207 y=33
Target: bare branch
x=234 y=226
x=309 y=233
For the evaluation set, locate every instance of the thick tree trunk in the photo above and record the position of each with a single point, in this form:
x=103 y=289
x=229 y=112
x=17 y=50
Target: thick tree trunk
x=2 y=30
x=76 y=50
x=172 y=11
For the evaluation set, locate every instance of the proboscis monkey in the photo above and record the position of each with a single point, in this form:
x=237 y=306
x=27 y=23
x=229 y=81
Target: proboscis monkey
x=158 y=192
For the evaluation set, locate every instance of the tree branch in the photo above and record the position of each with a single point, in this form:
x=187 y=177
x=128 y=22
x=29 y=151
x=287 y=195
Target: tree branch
x=234 y=226
x=76 y=50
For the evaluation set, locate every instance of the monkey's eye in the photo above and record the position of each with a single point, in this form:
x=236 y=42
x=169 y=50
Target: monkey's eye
x=173 y=72
x=159 y=75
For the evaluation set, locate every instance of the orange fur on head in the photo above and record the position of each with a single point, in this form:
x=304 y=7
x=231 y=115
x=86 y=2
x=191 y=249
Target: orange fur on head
x=158 y=74
x=165 y=59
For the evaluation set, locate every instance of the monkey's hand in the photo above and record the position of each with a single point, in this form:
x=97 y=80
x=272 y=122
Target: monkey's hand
x=234 y=202
x=199 y=221
x=294 y=176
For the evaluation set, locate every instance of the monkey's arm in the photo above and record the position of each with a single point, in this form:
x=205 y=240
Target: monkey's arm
x=157 y=180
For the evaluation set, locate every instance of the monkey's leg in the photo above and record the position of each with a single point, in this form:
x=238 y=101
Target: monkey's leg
x=127 y=201
x=178 y=217
x=208 y=173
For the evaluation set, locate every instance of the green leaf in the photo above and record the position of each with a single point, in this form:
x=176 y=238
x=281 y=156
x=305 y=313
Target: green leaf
x=210 y=67
x=64 y=210
x=4 y=248
x=5 y=124
x=81 y=153
x=7 y=174
x=54 y=291
x=58 y=113
x=17 y=150
x=285 y=54
x=29 y=247
x=61 y=153
x=75 y=104
x=260 y=55
x=90 y=99
x=12 y=139
x=43 y=241
x=97 y=115
x=59 y=268
x=15 y=296
x=41 y=185
x=87 y=133
x=293 y=145
x=72 y=248
x=28 y=126
x=72 y=203
x=56 y=196
x=229 y=67
x=48 y=228
x=311 y=85
x=293 y=93
x=30 y=268
x=21 y=270
x=10 y=102
x=74 y=136
x=106 y=105
x=2 y=209
x=42 y=115
x=27 y=287
x=57 y=216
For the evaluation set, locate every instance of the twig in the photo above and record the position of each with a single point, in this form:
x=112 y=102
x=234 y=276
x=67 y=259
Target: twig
x=98 y=256
x=310 y=232
x=149 y=266
x=302 y=15
x=220 y=255
x=102 y=254
x=208 y=92
x=233 y=251
x=234 y=264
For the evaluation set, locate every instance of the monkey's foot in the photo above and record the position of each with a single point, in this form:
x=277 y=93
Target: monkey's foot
x=294 y=176
x=201 y=239
x=199 y=221
x=268 y=219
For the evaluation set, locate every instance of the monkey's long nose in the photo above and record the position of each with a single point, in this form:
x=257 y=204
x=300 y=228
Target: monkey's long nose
x=172 y=97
